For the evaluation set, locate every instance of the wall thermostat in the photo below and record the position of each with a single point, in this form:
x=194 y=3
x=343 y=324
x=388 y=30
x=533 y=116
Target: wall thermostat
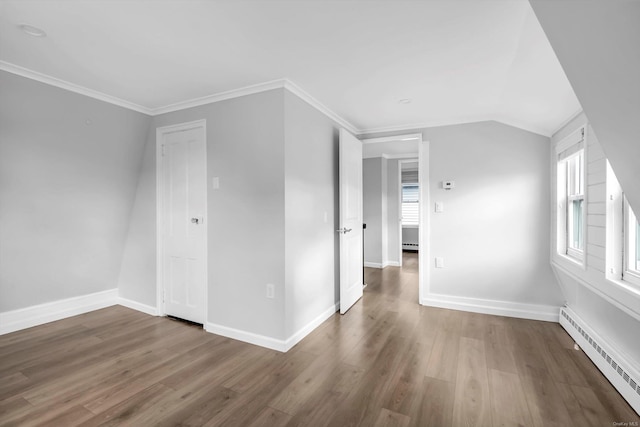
x=448 y=185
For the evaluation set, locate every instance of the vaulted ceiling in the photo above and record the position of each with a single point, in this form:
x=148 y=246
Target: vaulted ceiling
x=451 y=61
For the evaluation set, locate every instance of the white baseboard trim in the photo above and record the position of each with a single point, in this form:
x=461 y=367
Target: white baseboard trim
x=248 y=337
x=372 y=264
x=618 y=369
x=547 y=313
x=309 y=327
x=15 y=320
x=138 y=306
x=391 y=264
x=268 y=342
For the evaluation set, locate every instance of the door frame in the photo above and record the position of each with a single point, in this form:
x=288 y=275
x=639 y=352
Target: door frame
x=400 y=162
x=160 y=214
x=424 y=226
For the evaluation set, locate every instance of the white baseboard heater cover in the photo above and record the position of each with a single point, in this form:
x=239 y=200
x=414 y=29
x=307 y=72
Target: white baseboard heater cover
x=617 y=370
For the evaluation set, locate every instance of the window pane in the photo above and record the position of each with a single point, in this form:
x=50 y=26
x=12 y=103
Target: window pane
x=410 y=193
x=576 y=223
x=410 y=211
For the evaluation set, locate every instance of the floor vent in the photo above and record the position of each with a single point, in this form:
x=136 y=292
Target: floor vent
x=612 y=365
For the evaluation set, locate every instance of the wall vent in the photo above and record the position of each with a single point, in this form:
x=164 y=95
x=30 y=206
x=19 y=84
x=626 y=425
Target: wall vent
x=617 y=370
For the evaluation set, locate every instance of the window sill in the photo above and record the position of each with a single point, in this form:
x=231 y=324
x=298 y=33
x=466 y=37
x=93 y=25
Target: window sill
x=572 y=260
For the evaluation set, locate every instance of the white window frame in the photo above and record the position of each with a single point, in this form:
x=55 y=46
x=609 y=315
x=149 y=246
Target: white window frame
x=620 y=235
x=402 y=203
x=630 y=269
x=571 y=186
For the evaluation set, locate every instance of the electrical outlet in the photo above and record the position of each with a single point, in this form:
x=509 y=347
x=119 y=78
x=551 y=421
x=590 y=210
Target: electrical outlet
x=271 y=291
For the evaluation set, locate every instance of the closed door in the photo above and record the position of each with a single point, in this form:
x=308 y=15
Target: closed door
x=183 y=221
x=350 y=160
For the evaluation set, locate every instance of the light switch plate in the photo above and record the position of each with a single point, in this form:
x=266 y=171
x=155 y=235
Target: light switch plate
x=439 y=262
x=439 y=207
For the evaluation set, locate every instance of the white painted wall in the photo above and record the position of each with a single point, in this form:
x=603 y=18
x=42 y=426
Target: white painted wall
x=245 y=149
x=311 y=214
x=276 y=158
x=372 y=209
x=67 y=188
x=393 y=212
x=494 y=233
x=609 y=309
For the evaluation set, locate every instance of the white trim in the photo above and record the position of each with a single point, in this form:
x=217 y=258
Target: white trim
x=460 y=121
x=244 y=336
x=181 y=105
x=394 y=138
x=424 y=221
x=548 y=313
x=400 y=156
x=222 y=96
x=392 y=264
x=372 y=264
x=138 y=306
x=309 y=327
x=614 y=377
x=15 y=320
x=62 y=84
x=269 y=342
x=296 y=90
x=202 y=123
x=625 y=292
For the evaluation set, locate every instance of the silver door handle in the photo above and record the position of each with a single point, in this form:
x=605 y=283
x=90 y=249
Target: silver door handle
x=195 y=220
x=344 y=230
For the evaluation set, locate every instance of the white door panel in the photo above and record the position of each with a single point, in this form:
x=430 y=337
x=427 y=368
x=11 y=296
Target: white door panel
x=183 y=229
x=350 y=220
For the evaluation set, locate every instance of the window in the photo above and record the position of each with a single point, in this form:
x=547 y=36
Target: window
x=623 y=235
x=410 y=205
x=575 y=204
x=571 y=196
x=631 y=249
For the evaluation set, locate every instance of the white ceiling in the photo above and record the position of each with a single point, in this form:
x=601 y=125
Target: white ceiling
x=459 y=61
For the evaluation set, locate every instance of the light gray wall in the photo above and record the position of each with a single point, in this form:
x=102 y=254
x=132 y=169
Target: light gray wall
x=393 y=211
x=245 y=149
x=494 y=231
x=66 y=191
x=372 y=209
x=608 y=320
x=597 y=45
x=410 y=235
x=311 y=213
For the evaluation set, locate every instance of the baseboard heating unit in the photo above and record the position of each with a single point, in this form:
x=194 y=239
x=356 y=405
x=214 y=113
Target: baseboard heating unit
x=624 y=377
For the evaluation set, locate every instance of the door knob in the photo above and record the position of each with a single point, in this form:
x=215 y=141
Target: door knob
x=196 y=220
x=344 y=230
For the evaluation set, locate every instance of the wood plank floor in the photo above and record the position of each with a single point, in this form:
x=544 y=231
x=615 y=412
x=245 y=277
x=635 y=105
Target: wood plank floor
x=387 y=362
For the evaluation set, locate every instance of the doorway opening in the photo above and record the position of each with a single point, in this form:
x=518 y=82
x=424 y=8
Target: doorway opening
x=392 y=200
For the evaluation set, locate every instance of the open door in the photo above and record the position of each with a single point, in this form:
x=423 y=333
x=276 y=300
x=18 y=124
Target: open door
x=350 y=220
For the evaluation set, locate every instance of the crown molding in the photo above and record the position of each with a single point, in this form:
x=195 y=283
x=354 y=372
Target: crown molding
x=222 y=96
x=62 y=84
x=462 y=121
x=296 y=90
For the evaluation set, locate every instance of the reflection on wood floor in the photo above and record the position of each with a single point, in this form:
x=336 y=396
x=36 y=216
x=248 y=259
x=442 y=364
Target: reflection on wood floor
x=388 y=361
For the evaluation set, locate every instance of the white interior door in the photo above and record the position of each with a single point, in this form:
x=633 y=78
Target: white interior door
x=350 y=220
x=184 y=236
